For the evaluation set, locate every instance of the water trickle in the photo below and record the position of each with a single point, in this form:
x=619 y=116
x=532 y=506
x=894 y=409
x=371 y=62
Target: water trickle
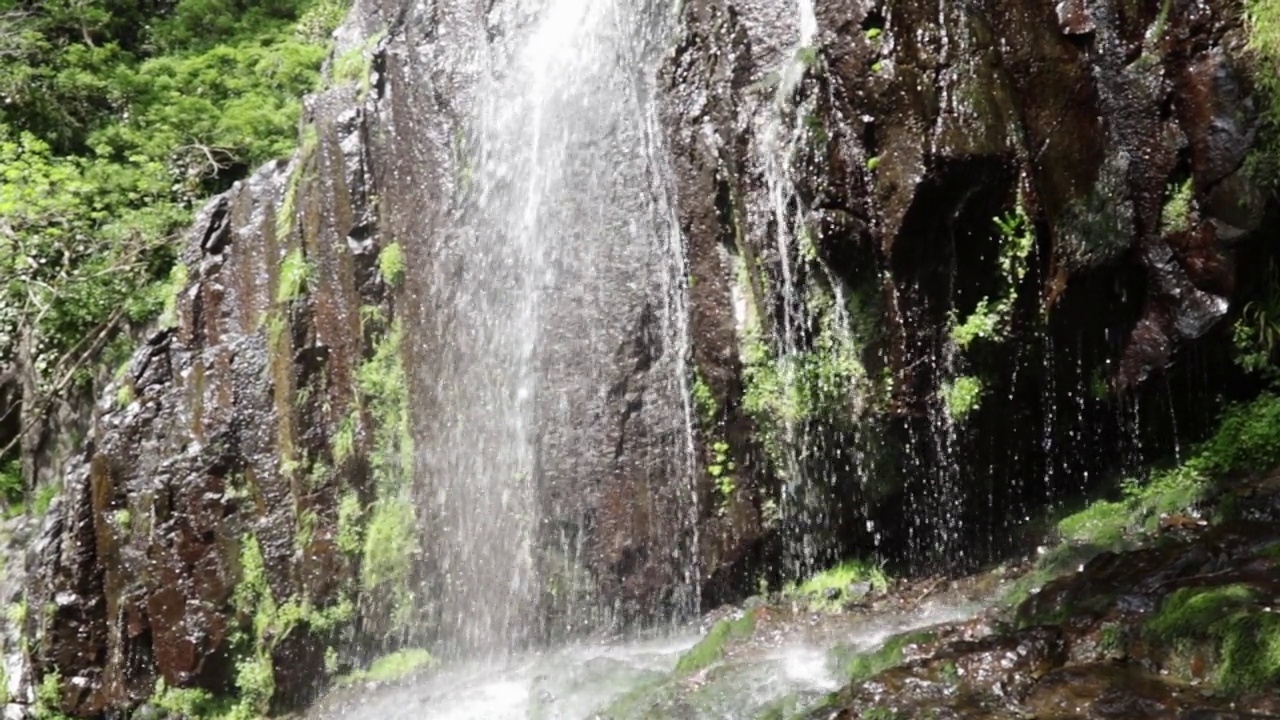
x=560 y=251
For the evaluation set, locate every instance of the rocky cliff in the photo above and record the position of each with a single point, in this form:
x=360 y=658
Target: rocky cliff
x=865 y=338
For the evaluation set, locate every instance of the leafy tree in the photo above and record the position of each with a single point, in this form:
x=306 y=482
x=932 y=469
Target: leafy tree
x=117 y=119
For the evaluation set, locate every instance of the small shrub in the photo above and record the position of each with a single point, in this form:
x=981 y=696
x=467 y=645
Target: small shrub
x=295 y=272
x=1175 y=217
x=962 y=396
x=391 y=264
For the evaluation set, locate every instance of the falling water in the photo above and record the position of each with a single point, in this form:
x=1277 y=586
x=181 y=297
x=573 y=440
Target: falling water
x=562 y=252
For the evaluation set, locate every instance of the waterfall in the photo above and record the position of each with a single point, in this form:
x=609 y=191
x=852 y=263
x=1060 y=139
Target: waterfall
x=561 y=252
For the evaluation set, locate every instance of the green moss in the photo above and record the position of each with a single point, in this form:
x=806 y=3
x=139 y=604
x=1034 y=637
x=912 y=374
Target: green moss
x=295 y=273
x=355 y=66
x=1175 y=217
x=860 y=666
x=395 y=666
x=1101 y=523
x=807 y=56
x=391 y=264
x=1234 y=622
x=705 y=401
x=125 y=395
x=962 y=396
x=192 y=703
x=48 y=704
x=829 y=589
x=390 y=545
x=288 y=210
x=873 y=163
x=711 y=648
x=44 y=498
x=350 y=513
x=173 y=287
x=874 y=33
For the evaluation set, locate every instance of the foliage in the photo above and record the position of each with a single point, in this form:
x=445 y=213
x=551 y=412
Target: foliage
x=859 y=666
x=391 y=264
x=391 y=541
x=118 y=119
x=1247 y=440
x=962 y=396
x=721 y=469
x=11 y=482
x=389 y=668
x=49 y=698
x=1176 y=215
x=704 y=400
x=830 y=589
x=1264 y=43
x=1235 y=621
x=990 y=315
x=711 y=648
x=295 y=273
x=1256 y=334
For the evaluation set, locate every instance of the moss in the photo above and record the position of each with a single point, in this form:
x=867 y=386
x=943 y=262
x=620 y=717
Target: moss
x=125 y=395
x=350 y=513
x=295 y=273
x=178 y=277
x=396 y=666
x=873 y=163
x=390 y=545
x=355 y=66
x=860 y=666
x=828 y=590
x=44 y=498
x=1234 y=623
x=1175 y=217
x=48 y=704
x=1100 y=523
x=391 y=264
x=705 y=401
x=711 y=648
x=288 y=210
x=192 y=703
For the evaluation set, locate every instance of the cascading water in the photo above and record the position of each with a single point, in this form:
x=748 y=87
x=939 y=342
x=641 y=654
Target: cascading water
x=561 y=247
x=815 y=350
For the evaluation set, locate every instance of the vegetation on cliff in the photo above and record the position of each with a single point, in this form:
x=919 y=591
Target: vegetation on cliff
x=116 y=120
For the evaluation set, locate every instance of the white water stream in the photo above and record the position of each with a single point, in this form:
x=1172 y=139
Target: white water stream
x=580 y=681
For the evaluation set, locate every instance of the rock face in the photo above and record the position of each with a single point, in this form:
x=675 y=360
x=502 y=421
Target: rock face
x=247 y=498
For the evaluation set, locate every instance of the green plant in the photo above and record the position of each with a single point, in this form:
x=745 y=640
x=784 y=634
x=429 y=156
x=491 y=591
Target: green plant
x=391 y=264
x=829 y=590
x=350 y=512
x=860 y=665
x=874 y=33
x=721 y=469
x=704 y=400
x=49 y=698
x=711 y=648
x=173 y=287
x=1175 y=216
x=873 y=163
x=295 y=273
x=356 y=65
x=1235 y=621
x=962 y=396
x=44 y=498
x=393 y=667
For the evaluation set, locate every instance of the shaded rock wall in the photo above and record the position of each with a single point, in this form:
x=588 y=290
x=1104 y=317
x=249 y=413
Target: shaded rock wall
x=250 y=452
